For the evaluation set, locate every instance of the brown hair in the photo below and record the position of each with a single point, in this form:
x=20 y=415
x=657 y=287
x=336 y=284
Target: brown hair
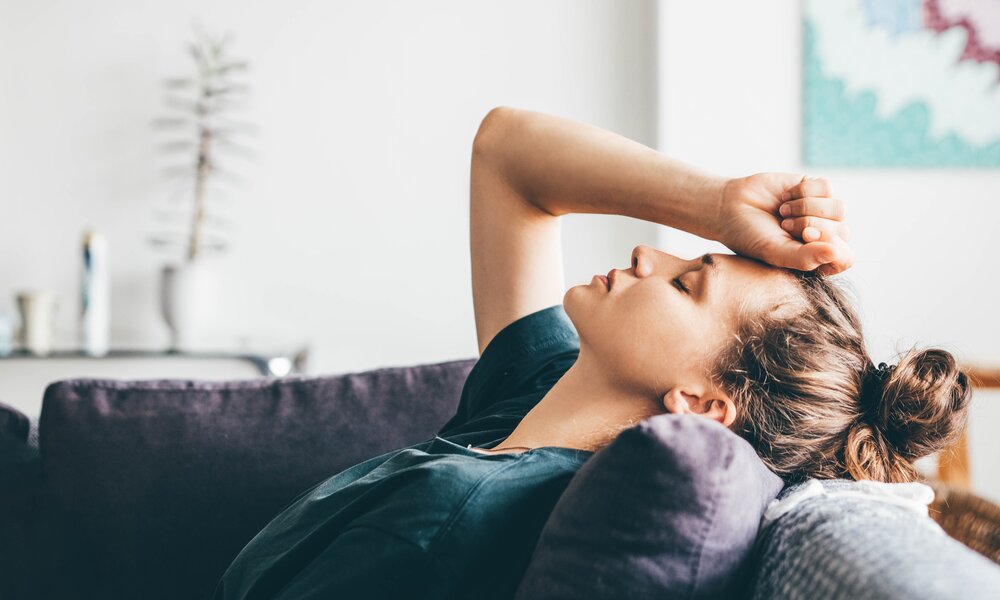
x=812 y=404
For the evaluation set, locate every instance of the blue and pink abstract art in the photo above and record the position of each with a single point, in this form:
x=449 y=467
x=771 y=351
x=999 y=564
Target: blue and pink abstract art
x=906 y=83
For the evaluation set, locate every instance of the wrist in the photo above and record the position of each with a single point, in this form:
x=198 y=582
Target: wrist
x=709 y=217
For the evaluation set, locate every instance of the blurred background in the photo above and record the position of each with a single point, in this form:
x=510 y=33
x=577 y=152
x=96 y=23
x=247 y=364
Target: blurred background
x=336 y=227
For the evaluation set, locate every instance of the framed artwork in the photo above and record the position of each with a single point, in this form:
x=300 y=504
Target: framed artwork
x=901 y=83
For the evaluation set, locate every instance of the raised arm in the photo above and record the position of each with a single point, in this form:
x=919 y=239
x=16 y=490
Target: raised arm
x=529 y=168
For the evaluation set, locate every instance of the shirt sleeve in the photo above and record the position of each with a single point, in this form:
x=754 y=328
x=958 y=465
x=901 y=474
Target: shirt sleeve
x=519 y=365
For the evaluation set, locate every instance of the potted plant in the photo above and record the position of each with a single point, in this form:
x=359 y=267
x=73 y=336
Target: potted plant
x=199 y=130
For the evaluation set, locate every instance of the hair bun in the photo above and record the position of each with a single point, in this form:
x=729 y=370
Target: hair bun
x=923 y=403
x=872 y=385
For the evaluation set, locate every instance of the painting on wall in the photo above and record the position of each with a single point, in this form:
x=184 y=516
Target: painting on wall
x=909 y=83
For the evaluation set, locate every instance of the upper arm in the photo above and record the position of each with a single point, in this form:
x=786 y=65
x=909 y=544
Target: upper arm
x=516 y=247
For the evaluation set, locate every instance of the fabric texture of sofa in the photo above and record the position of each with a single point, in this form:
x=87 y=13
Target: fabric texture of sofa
x=148 y=489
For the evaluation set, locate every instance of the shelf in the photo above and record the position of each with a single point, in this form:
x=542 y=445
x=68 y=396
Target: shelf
x=24 y=375
x=272 y=364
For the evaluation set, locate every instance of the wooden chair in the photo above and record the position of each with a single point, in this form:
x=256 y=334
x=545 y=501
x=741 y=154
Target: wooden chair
x=971 y=519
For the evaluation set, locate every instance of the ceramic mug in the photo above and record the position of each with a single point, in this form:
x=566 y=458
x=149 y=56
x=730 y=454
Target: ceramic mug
x=38 y=310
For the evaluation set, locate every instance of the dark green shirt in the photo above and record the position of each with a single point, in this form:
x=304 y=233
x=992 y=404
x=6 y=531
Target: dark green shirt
x=436 y=519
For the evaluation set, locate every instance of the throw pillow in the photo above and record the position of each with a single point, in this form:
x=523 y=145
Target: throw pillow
x=670 y=509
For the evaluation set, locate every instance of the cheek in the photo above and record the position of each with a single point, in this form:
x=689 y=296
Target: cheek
x=640 y=331
x=661 y=336
x=651 y=310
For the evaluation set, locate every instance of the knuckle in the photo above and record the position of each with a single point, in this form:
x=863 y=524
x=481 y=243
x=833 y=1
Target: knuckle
x=819 y=209
x=823 y=187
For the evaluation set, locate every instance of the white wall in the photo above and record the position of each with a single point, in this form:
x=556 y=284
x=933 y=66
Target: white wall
x=351 y=230
x=925 y=240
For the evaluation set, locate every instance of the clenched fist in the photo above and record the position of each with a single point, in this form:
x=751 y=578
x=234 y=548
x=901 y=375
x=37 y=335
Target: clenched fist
x=785 y=220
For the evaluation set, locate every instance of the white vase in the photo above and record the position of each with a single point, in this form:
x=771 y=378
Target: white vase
x=189 y=300
x=38 y=310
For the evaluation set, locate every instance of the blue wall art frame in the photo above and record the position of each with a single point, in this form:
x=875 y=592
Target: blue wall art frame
x=901 y=83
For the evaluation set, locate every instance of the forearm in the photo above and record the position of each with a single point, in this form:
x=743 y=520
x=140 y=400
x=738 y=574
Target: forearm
x=563 y=166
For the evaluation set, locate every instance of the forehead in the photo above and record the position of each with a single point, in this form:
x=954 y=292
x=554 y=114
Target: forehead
x=747 y=284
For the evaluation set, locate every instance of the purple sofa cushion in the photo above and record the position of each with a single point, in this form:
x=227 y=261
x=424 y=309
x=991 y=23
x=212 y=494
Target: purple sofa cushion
x=670 y=509
x=151 y=488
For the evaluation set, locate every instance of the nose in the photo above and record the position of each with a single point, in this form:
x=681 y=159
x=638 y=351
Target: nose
x=642 y=260
x=646 y=259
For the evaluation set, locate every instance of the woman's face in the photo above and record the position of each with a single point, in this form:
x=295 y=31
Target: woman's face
x=664 y=318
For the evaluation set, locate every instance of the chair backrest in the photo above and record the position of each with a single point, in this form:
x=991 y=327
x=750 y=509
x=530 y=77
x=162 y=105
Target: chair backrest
x=150 y=488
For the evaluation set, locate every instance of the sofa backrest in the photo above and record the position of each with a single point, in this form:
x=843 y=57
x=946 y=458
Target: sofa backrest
x=148 y=489
x=151 y=488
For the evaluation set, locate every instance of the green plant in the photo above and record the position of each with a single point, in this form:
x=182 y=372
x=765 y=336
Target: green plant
x=202 y=128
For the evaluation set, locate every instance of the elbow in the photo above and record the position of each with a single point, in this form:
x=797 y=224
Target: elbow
x=491 y=130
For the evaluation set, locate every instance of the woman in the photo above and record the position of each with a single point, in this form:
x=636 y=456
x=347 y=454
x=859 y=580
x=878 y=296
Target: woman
x=760 y=341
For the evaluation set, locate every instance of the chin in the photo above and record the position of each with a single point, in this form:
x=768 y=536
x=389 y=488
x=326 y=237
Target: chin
x=573 y=299
x=577 y=304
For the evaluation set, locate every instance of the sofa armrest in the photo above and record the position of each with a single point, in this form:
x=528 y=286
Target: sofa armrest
x=13 y=427
x=20 y=481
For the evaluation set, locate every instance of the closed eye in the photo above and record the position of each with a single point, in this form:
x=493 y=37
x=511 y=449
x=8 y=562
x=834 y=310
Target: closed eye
x=680 y=285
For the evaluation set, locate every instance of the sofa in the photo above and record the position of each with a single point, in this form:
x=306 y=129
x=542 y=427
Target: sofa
x=149 y=489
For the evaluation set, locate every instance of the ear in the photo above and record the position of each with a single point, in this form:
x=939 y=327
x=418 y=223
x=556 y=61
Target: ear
x=713 y=404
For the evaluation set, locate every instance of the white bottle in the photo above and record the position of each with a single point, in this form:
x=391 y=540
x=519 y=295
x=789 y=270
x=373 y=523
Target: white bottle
x=95 y=295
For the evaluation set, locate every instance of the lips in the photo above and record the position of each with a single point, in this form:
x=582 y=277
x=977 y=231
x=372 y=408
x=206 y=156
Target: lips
x=611 y=279
x=604 y=281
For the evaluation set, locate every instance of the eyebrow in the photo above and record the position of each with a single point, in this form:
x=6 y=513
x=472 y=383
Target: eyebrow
x=709 y=261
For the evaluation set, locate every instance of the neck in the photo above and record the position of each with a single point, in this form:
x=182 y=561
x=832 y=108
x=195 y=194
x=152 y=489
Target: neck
x=585 y=409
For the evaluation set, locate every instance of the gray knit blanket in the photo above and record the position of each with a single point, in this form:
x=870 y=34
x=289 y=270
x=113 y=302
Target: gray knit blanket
x=837 y=540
